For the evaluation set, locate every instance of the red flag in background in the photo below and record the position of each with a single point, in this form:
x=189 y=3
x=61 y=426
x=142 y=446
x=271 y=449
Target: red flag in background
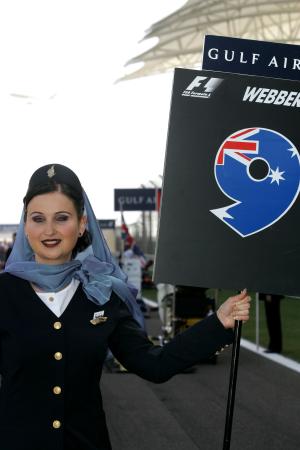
x=157 y=198
x=130 y=244
x=126 y=236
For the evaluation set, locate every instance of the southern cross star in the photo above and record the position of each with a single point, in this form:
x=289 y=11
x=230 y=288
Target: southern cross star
x=294 y=151
x=276 y=176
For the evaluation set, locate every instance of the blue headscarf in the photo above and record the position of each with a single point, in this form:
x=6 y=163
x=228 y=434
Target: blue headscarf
x=95 y=267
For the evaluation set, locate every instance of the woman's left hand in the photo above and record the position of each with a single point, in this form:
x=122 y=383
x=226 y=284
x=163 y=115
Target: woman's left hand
x=234 y=308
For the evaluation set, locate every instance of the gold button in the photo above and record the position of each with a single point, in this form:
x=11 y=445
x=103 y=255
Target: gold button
x=57 y=325
x=58 y=356
x=56 y=424
x=51 y=299
x=57 y=390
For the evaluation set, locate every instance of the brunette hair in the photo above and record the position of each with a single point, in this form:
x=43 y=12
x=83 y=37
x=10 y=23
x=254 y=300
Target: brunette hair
x=73 y=194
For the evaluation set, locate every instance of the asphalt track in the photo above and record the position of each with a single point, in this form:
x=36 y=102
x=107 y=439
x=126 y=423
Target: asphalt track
x=188 y=412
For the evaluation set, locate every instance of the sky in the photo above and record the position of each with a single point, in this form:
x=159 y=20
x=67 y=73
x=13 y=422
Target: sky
x=60 y=103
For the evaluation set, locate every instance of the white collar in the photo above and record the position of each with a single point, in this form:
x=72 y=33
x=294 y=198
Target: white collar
x=57 y=302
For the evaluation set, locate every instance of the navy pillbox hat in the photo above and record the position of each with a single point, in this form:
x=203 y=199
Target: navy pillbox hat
x=54 y=173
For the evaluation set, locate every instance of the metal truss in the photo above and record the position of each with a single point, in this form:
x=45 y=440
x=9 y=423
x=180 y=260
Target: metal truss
x=180 y=35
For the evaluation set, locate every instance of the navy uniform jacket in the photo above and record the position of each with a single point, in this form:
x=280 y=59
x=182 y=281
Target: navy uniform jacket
x=51 y=367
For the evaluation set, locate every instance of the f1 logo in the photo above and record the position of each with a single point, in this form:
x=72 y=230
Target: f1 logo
x=204 y=85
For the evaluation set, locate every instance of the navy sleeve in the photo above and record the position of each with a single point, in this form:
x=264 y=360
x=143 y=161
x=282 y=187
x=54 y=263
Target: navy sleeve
x=131 y=346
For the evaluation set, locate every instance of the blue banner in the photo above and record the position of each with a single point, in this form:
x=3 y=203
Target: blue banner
x=251 y=57
x=8 y=228
x=136 y=199
x=107 y=224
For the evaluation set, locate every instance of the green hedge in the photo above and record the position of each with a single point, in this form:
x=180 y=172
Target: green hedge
x=290 y=317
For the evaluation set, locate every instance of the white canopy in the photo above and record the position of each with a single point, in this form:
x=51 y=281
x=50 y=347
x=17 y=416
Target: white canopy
x=180 y=35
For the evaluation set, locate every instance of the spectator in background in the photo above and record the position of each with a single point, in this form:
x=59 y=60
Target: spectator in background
x=8 y=251
x=272 y=310
x=3 y=249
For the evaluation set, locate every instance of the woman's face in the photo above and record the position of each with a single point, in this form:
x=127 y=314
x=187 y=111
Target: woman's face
x=52 y=227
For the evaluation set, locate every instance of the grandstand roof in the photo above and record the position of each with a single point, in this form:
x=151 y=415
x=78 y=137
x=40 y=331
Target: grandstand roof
x=180 y=35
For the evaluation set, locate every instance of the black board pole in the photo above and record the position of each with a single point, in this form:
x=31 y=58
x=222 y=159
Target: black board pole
x=232 y=383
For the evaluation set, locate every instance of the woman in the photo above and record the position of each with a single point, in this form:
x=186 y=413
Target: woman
x=64 y=303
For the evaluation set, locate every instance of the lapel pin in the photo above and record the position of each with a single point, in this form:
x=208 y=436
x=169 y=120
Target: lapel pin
x=98 y=318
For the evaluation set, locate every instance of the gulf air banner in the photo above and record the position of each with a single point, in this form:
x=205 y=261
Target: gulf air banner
x=252 y=57
x=230 y=211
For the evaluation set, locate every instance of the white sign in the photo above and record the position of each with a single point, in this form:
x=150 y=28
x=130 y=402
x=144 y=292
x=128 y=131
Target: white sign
x=132 y=268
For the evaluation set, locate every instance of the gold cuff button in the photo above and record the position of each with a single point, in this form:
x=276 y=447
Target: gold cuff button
x=57 y=325
x=57 y=390
x=56 y=424
x=58 y=356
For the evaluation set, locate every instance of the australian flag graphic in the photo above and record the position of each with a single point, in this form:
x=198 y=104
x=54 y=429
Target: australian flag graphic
x=259 y=169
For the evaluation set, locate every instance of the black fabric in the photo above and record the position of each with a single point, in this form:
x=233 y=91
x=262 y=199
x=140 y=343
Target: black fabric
x=56 y=173
x=28 y=342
